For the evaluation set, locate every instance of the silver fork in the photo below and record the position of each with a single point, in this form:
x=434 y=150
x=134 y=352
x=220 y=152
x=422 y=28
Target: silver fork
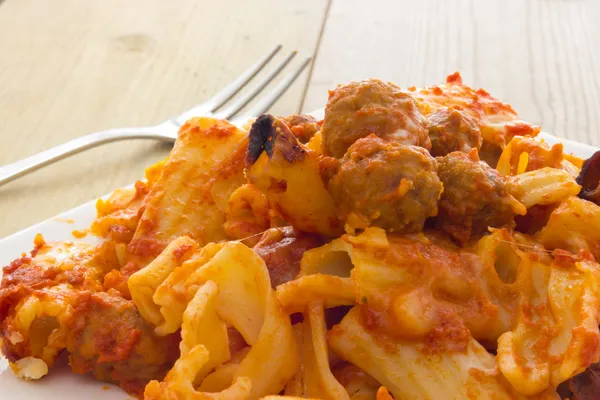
x=167 y=131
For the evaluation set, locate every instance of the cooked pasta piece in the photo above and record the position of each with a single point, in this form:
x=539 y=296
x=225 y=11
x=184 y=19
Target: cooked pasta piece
x=118 y=215
x=556 y=333
x=574 y=299
x=220 y=379
x=333 y=291
x=178 y=384
x=201 y=329
x=143 y=284
x=172 y=295
x=286 y=398
x=316 y=378
x=233 y=285
x=316 y=143
x=409 y=373
x=416 y=286
x=288 y=173
x=358 y=384
x=524 y=154
x=523 y=351
x=271 y=361
x=543 y=186
x=574 y=226
x=247 y=214
x=190 y=196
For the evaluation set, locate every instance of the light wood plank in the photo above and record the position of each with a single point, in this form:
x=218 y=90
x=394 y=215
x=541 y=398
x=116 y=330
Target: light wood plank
x=540 y=56
x=71 y=67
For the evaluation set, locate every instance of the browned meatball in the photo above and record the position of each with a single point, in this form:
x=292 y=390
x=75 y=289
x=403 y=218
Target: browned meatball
x=586 y=385
x=359 y=109
x=281 y=249
x=303 y=126
x=110 y=338
x=474 y=197
x=386 y=184
x=451 y=130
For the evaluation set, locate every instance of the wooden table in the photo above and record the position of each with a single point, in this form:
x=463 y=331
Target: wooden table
x=70 y=67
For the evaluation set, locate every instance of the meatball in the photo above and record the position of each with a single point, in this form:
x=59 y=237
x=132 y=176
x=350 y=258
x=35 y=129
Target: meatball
x=110 y=338
x=586 y=385
x=451 y=130
x=359 y=109
x=281 y=249
x=303 y=126
x=386 y=184
x=474 y=198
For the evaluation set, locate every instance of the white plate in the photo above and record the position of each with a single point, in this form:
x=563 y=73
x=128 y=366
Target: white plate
x=60 y=382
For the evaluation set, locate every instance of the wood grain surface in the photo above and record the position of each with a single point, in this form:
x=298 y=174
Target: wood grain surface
x=540 y=56
x=71 y=67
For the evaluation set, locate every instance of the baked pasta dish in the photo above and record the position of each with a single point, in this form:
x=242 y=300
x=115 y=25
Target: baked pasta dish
x=416 y=243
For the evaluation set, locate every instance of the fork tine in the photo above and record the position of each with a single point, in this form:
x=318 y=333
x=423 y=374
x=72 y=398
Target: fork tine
x=266 y=102
x=247 y=97
x=229 y=91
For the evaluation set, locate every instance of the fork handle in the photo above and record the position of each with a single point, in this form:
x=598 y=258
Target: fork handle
x=29 y=164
